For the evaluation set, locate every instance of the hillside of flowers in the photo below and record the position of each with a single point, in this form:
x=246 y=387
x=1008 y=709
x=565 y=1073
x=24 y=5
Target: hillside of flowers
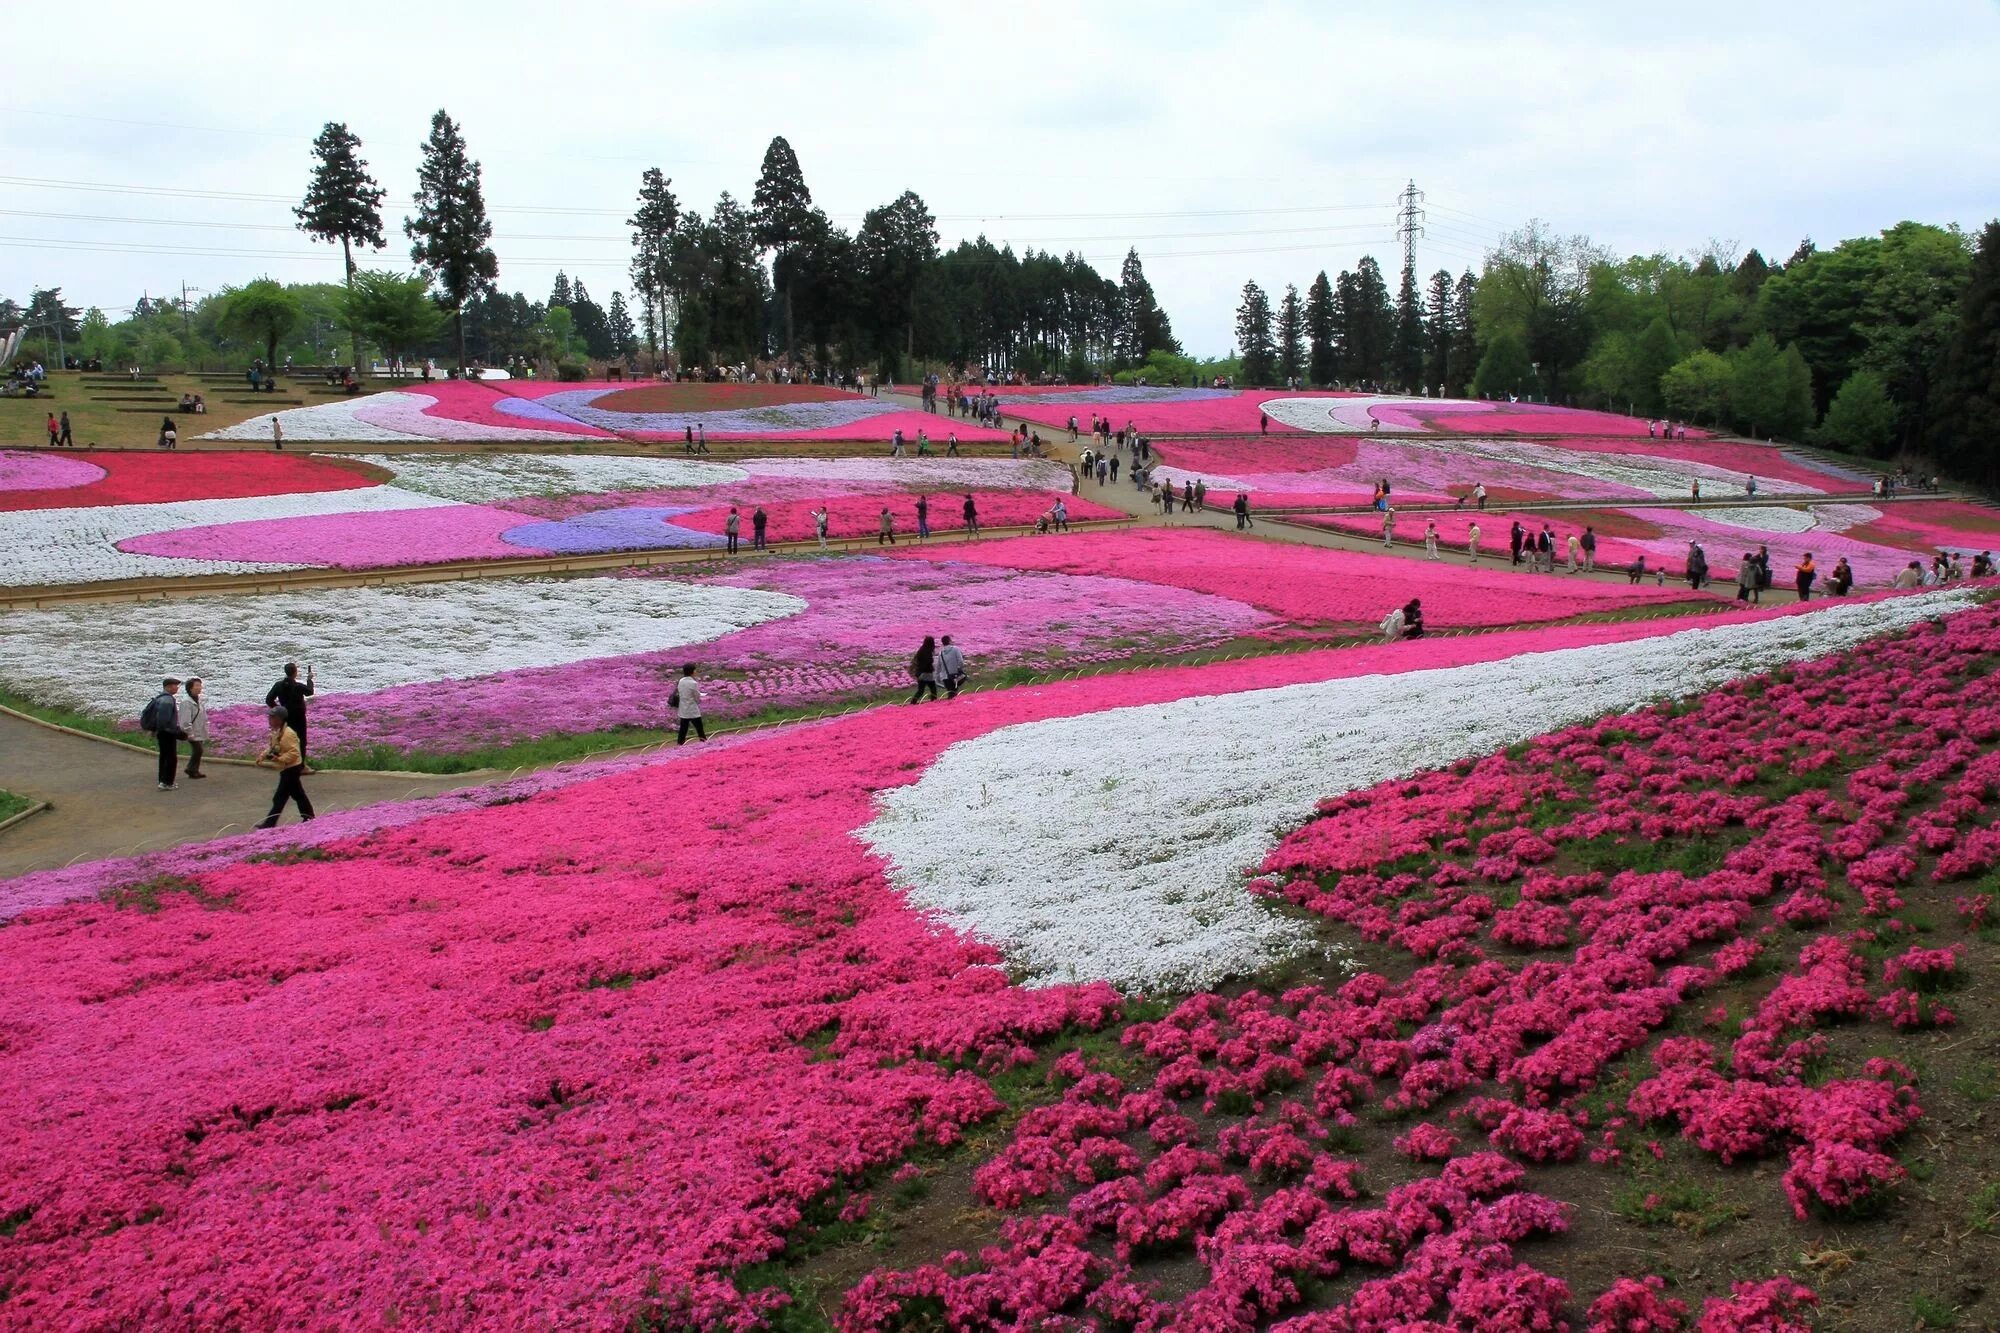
x=533 y=1057
x=1292 y=471
x=1878 y=541
x=239 y=512
x=1168 y=410
x=1638 y=994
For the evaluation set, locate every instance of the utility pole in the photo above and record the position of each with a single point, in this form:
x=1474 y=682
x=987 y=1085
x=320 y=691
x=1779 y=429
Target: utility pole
x=1410 y=223
x=186 y=322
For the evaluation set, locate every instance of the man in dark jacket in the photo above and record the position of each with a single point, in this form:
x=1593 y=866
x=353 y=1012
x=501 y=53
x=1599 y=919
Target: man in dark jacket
x=162 y=718
x=1515 y=536
x=290 y=695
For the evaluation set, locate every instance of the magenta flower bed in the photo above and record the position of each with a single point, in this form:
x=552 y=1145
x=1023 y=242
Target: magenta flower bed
x=880 y=427
x=1528 y=419
x=508 y=403
x=23 y=471
x=350 y=541
x=1227 y=414
x=1314 y=585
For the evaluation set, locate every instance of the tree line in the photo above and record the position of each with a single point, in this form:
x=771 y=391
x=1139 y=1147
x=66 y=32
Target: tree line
x=1879 y=345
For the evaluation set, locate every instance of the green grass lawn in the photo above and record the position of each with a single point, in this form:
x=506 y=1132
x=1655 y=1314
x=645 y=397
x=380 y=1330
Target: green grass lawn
x=95 y=418
x=11 y=805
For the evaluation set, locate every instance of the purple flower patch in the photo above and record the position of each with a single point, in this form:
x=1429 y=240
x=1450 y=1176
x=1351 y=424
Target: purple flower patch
x=630 y=529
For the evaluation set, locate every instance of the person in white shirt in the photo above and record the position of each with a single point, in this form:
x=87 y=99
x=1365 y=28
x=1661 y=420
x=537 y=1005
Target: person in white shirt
x=194 y=724
x=687 y=705
x=951 y=667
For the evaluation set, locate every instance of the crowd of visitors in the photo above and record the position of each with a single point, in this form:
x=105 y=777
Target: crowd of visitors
x=179 y=712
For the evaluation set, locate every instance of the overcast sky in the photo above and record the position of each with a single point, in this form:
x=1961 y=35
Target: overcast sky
x=1247 y=140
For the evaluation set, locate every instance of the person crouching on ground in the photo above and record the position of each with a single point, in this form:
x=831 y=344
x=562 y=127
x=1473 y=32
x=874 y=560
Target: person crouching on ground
x=1413 y=618
x=283 y=754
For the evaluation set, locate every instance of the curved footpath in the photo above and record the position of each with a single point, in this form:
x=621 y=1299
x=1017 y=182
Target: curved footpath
x=103 y=800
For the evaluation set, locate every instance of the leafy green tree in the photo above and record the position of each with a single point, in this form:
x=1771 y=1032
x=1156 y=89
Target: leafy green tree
x=343 y=202
x=591 y=325
x=781 y=213
x=1506 y=367
x=1535 y=286
x=1291 y=335
x=393 y=311
x=1770 y=389
x=450 y=231
x=261 y=311
x=653 y=224
x=1697 y=388
x=1963 y=421
x=1322 y=367
x=1861 y=419
x=1909 y=314
x=1407 y=343
x=1254 y=338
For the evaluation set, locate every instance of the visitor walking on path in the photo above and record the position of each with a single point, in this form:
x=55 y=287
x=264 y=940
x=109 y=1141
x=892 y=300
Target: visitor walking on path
x=1804 y=577
x=923 y=669
x=1697 y=566
x=1472 y=535
x=758 y=520
x=971 y=512
x=1200 y=493
x=1842 y=577
x=1431 y=539
x=286 y=753
x=291 y=696
x=1388 y=526
x=162 y=717
x=1589 y=549
x=1516 y=538
x=1479 y=495
x=1545 y=549
x=277 y=433
x=55 y=432
x=1242 y=507
x=687 y=706
x=731 y=526
x=951 y=666
x=1746 y=580
x=885 y=533
x=1060 y=513
x=1187 y=497
x=194 y=725
x=1575 y=548
x=923 y=518
x=63 y=438
x=819 y=527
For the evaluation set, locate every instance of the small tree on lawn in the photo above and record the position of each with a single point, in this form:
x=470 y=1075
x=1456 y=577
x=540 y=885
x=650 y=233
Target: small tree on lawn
x=343 y=203
x=450 y=232
x=395 y=311
x=261 y=311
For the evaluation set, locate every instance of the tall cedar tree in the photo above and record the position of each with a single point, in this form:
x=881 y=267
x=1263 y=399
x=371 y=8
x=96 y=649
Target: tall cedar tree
x=451 y=230
x=1963 y=426
x=1406 y=345
x=1291 y=335
x=1438 y=329
x=1254 y=341
x=1143 y=328
x=560 y=294
x=653 y=224
x=781 y=216
x=897 y=242
x=1322 y=367
x=1368 y=322
x=343 y=203
x=591 y=325
x=618 y=323
x=1465 y=345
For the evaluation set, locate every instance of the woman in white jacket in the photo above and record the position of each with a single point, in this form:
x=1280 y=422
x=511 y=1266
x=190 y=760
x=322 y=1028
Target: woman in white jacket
x=194 y=724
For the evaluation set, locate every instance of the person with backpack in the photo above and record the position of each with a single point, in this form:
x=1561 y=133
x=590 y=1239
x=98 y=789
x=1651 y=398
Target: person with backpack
x=732 y=526
x=923 y=669
x=193 y=717
x=286 y=753
x=162 y=718
x=291 y=696
x=758 y=521
x=951 y=664
x=687 y=705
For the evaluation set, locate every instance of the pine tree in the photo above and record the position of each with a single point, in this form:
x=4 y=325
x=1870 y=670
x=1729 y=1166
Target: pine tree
x=591 y=325
x=1291 y=336
x=618 y=322
x=450 y=232
x=560 y=294
x=343 y=203
x=1368 y=322
x=653 y=224
x=1407 y=342
x=1963 y=426
x=781 y=213
x=1438 y=330
x=1253 y=336
x=1465 y=347
x=1321 y=369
